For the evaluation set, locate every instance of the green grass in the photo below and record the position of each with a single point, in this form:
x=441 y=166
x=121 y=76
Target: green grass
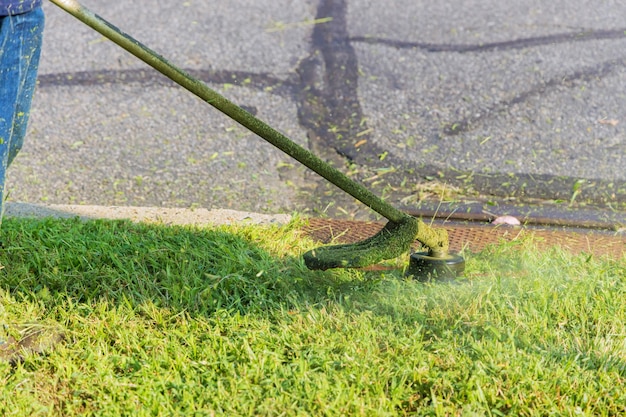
x=192 y=322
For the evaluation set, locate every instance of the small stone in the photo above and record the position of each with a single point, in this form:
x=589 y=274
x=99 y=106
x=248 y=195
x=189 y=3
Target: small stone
x=508 y=220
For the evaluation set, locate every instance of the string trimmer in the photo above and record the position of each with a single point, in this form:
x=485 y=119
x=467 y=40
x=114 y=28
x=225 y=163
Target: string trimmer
x=392 y=241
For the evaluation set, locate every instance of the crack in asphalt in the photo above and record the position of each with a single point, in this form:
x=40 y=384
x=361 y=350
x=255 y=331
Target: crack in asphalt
x=150 y=77
x=523 y=43
x=601 y=70
x=329 y=105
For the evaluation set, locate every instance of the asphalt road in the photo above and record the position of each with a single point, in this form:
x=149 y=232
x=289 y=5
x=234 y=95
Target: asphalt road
x=523 y=100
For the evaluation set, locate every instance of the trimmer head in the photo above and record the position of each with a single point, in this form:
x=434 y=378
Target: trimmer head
x=390 y=242
x=424 y=267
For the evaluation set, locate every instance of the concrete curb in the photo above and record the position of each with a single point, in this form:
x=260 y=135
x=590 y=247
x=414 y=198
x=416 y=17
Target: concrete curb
x=167 y=216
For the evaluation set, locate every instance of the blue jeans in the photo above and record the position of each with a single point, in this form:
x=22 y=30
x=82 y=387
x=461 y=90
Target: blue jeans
x=20 y=46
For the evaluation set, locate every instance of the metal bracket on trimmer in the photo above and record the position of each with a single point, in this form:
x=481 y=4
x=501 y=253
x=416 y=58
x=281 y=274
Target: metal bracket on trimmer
x=392 y=241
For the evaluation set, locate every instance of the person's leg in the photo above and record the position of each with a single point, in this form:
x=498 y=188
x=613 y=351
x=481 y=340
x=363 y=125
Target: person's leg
x=20 y=46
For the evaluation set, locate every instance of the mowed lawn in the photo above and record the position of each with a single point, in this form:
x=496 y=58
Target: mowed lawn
x=175 y=321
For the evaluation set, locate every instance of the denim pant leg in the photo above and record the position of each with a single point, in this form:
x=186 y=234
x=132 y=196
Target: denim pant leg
x=20 y=46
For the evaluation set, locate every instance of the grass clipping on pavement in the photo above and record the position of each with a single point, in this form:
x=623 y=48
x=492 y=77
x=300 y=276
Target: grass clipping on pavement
x=185 y=321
